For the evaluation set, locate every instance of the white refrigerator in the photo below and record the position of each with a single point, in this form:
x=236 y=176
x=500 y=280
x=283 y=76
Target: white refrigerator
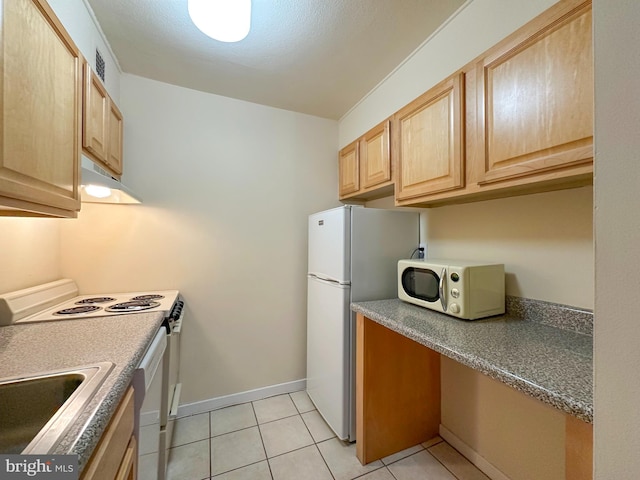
x=353 y=256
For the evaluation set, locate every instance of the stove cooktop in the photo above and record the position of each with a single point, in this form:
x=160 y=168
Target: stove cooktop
x=60 y=300
x=114 y=304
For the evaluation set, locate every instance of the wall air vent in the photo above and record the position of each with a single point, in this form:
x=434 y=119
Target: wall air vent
x=100 y=65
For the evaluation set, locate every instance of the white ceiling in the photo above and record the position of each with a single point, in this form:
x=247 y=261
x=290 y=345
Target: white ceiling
x=313 y=56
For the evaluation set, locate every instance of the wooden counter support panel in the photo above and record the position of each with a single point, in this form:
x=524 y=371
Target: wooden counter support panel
x=578 y=449
x=397 y=391
x=110 y=459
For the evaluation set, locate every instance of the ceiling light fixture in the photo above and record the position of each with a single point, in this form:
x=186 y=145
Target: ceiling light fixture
x=223 y=20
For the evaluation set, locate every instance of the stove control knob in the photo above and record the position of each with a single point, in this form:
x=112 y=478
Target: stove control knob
x=454 y=308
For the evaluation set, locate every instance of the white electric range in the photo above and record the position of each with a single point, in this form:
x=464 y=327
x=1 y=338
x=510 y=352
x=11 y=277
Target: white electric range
x=156 y=381
x=59 y=300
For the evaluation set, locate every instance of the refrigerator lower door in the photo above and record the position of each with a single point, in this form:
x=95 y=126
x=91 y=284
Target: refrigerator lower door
x=329 y=352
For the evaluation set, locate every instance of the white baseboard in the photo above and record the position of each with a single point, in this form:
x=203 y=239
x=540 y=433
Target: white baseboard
x=242 y=397
x=474 y=457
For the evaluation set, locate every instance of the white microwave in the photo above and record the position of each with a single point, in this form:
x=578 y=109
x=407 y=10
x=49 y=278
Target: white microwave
x=468 y=290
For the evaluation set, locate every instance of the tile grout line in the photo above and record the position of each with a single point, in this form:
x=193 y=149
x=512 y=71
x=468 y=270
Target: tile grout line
x=278 y=419
x=238 y=468
x=294 y=404
x=210 y=448
x=442 y=463
x=324 y=460
x=315 y=444
x=371 y=471
x=266 y=457
x=305 y=424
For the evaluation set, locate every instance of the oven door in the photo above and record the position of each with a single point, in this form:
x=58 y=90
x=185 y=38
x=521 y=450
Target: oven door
x=170 y=407
x=151 y=377
x=423 y=286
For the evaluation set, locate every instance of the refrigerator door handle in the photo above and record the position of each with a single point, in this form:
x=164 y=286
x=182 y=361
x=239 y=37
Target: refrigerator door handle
x=329 y=281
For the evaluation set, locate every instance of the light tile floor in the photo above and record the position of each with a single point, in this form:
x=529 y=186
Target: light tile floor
x=285 y=438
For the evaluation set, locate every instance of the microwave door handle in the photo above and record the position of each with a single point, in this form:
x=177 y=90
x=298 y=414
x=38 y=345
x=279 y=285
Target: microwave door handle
x=442 y=289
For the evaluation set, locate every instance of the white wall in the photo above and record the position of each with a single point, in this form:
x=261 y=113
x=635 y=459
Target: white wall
x=545 y=241
x=227 y=186
x=617 y=218
x=29 y=252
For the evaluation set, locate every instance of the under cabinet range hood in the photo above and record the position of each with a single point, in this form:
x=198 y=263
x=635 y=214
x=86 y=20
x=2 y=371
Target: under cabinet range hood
x=97 y=186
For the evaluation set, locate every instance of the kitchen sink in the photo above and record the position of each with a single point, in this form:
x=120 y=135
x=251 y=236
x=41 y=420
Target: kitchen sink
x=38 y=410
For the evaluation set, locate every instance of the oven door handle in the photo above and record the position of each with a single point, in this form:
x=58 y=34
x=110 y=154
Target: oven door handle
x=173 y=412
x=177 y=326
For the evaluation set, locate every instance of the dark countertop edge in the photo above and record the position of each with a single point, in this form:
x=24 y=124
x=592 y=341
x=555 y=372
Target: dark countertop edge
x=555 y=399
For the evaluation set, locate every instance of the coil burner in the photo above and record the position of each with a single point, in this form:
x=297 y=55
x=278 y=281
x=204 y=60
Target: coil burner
x=77 y=310
x=132 y=306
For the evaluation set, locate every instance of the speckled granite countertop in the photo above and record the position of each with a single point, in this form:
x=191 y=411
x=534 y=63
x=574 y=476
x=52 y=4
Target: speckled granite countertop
x=545 y=362
x=38 y=347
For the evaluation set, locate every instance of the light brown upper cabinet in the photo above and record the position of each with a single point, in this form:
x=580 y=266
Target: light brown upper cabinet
x=526 y=106
x=428 y=142
x=375 y=158
x=41 y=107
x=102 y=125
x=348 y=170
x=534 y=93
x=95 y=116
x=365 y=166
x=114 y=151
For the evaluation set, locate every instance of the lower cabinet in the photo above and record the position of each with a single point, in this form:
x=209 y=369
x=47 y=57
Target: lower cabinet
x=115 y=456
x=129 y=466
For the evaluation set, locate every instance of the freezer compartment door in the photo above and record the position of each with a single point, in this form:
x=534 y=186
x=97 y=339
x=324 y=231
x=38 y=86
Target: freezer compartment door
x=328 y=352
x=329 y=244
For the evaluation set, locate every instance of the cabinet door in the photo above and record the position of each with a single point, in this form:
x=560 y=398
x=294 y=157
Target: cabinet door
x=129 y=466
x=535 y=97
x=428 y=142
x=114 y=452
x=374 y=156
x=96 y=116
x=114 y=152
x=40 y=102
x=348 y=170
